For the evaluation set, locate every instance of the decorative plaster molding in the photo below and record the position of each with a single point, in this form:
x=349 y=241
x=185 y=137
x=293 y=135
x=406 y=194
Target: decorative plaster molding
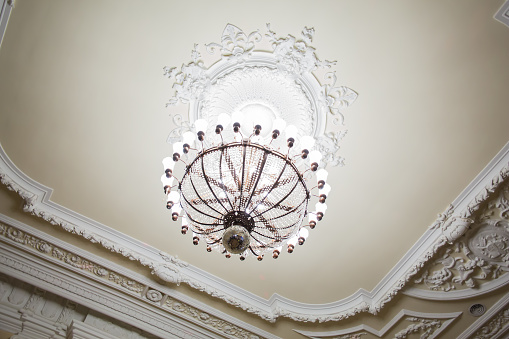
x=19 y=235
x=480 y=257
x=502 y=14
x=429 y=325
x=6 y=7
x=493 y=324
x=32 y=313
x=281 y=82
x=171 y=269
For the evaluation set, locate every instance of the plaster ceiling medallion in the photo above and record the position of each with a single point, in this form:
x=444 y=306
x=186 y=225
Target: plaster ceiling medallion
x=245 y=189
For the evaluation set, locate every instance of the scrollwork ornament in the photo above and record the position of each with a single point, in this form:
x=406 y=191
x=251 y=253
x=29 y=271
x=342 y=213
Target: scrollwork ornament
x=425 y=327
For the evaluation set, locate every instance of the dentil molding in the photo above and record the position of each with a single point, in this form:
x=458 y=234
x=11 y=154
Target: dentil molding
x=446 y=229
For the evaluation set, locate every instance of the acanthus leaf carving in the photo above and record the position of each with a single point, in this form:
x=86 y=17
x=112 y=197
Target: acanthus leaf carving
x=494 y=327
x=425 y=327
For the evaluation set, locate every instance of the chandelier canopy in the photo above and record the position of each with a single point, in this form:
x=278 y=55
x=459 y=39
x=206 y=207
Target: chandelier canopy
x=254 y=147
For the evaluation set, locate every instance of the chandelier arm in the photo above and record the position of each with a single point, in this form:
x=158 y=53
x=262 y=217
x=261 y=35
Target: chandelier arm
x=273 y=186
x=280 y=201
x=198 y=194
x=201 y=212
x=221 y=176
x=252 y=251
x=210 y=187
x=244 y=146
x=282 y=215
x=260 y=171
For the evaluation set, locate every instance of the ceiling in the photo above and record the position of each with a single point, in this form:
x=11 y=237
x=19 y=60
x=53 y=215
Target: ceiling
x=82 y=102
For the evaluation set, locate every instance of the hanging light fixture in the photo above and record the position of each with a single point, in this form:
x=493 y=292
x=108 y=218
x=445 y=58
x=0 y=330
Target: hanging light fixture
x=245 y=196
x=251 y=155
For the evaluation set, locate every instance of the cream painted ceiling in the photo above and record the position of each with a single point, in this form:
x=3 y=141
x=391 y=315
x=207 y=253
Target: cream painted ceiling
x=82 y=110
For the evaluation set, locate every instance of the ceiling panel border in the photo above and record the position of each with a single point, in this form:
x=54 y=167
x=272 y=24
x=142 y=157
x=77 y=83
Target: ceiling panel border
x=449 y=226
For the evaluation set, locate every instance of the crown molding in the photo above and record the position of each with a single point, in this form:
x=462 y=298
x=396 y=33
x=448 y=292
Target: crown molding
x=57 y=267
x=446 y=229
x=6 y=7
x=502 y=14
x=435 y=323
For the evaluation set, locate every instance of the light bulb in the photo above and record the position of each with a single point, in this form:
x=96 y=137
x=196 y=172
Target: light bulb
x=293 y=240
x=307 y=142
x=321 y=207
x=325 y=190
x=223 y=119
x=174 y=197
x=201 y=125
x=315 y=157
x=237 y=117
x=177 y=147
x=176 y=209
x=303 y=233
x=167 y=181
x=291 y=132
x=168 y=163
x=279 y=124
x=188 y=138
x=322 y=174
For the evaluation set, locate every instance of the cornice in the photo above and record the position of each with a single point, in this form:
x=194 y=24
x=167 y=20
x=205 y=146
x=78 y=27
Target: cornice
x=502 y=14
x=446 y=229
x=5 y=12
x=94 y=282
x=430 y=323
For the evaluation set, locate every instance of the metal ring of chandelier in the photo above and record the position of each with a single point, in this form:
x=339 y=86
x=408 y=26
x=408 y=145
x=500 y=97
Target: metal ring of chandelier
x=244 y=197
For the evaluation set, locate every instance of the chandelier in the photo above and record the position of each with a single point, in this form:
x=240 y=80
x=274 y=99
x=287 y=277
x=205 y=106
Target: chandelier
x=246 y=197
x=247 y=174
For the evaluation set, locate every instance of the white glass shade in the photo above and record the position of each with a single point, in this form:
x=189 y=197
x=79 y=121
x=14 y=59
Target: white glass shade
x=184 y=221
x=307 y=142
x=303 y=233
x=291 y=132
x=174 y=197
x=188 y=138
x=279 y=124
x=322 y=174
x=315 y=156
x=321 y=207
x=176 y=209
x=177 y=147
x=168 y=163
x=237 y=117
x=223 y=119
x=312 y=217
x=293 y=240
x=325 y=190
x=167 y=181
x=201 y=125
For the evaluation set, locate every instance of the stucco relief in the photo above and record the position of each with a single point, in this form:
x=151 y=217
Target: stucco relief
x=478 y=253
x=281 y=80
x=34 y=300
